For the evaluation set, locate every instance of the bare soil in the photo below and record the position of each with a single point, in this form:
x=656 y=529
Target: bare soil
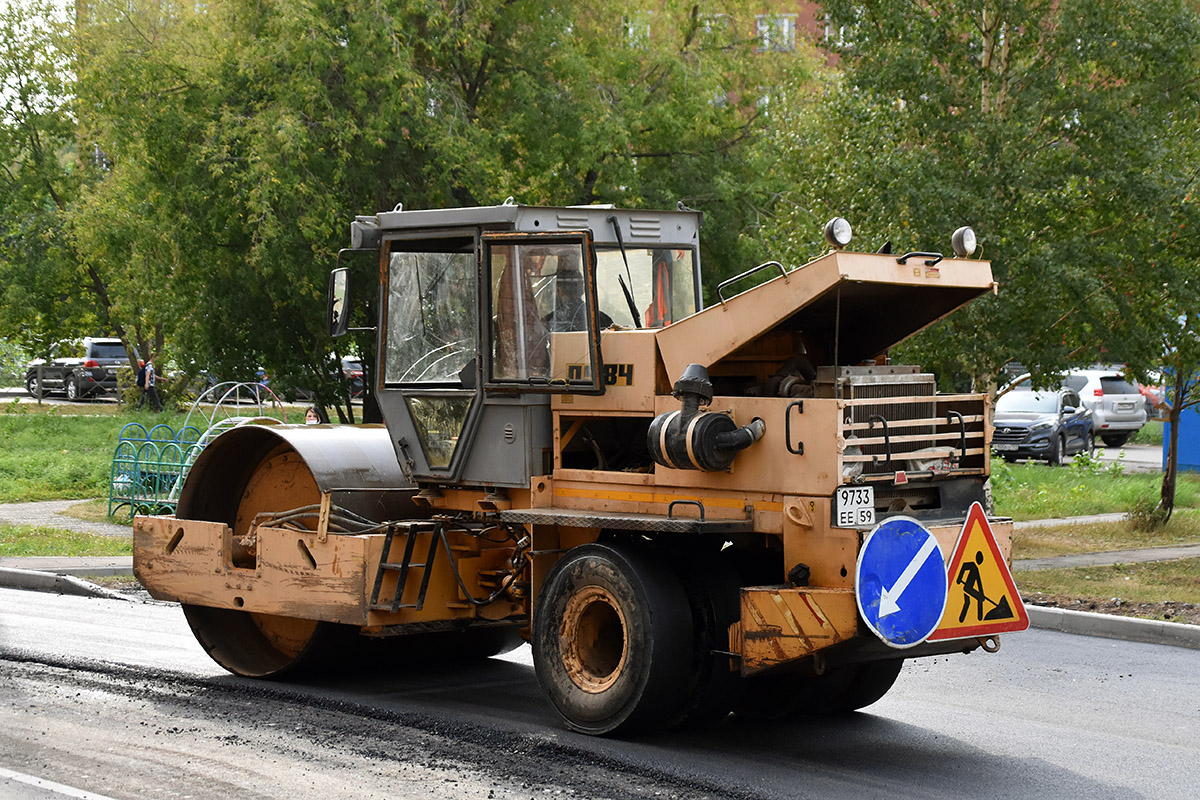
x=1171 y=611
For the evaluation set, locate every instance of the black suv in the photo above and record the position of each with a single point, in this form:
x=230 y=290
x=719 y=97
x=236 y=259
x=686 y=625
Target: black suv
x=95 y=372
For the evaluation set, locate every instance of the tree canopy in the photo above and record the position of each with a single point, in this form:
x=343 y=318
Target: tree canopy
x=225 y=148
x=1054 y=127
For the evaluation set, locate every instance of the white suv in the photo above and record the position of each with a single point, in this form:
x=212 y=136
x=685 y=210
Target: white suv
x=1118 y=408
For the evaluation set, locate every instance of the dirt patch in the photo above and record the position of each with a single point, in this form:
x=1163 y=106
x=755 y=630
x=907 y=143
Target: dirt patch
x=1170 y=611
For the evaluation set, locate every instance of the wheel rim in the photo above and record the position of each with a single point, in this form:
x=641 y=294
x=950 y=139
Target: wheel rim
x=72 y=390
x=594 y=644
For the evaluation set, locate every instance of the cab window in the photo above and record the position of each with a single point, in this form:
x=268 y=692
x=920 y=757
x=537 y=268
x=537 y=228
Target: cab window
x=542 y=311
x=662 y=281
x=431 y=313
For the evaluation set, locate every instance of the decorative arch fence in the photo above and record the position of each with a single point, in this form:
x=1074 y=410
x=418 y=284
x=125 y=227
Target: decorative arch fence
x=148 y=467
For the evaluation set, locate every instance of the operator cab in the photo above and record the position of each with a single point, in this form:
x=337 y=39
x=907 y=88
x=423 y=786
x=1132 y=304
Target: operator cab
x=458 y=364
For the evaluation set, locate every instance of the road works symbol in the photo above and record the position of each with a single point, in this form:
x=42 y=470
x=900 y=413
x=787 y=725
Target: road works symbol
x=900 y=582
x=983 y=598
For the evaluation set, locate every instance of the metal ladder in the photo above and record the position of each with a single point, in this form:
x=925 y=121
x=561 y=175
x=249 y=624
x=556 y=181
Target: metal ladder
x=434 y=529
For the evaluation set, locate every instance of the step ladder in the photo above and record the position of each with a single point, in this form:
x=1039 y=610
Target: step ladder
x=401 y=567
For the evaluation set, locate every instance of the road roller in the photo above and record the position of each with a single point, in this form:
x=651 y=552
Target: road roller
x=685 y=511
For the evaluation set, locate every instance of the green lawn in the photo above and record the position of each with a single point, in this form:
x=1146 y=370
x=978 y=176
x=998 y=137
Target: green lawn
x=27 y=540
x=1159 y=582
x=51 y=454
x=1038 y=491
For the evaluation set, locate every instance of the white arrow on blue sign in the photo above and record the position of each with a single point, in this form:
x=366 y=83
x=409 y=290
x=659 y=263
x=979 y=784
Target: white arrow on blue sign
x=900 y=582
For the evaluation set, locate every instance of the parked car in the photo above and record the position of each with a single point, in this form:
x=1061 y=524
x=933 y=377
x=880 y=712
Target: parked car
x=1118 y=406
x=77 y=371
x=353 y=369
x=1044 y=425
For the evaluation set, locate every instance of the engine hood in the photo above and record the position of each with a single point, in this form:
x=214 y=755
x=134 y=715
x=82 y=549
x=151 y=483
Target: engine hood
x=853 y=306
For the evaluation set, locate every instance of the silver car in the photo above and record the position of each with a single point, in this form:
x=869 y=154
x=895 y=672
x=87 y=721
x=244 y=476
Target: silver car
x=1118 y=408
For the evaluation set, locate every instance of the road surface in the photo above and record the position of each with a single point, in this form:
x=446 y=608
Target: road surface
x=117 y=699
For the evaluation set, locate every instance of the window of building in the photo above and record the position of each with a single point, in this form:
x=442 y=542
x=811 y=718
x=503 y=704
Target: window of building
x=637 y=29
x=776 y=33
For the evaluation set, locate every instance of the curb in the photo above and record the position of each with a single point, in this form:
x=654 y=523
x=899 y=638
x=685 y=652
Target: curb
x=1112 y=626
x=49 y=582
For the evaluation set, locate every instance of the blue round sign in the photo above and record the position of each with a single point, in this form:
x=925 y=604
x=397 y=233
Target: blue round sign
x=900 y=582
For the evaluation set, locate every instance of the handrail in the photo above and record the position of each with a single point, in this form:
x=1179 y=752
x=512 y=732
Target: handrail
x=730 y=281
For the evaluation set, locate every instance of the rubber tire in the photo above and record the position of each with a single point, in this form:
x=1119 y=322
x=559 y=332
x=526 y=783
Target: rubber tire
x=840 y=690
x=1055 y=457
x=33 y=386
x=647 y=684
x=73 y=393
x=1115 y=439
x=1090 y=445
x=713 y=588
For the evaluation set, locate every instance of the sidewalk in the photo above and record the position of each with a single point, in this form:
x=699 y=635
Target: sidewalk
x=63 y=575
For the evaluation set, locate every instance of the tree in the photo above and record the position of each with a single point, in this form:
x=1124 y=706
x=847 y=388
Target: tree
x=1039 y=122
x=242 y=139
x=44 y=296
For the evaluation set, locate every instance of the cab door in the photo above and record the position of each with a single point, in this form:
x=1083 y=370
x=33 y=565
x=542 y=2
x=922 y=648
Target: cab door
x=430 y=350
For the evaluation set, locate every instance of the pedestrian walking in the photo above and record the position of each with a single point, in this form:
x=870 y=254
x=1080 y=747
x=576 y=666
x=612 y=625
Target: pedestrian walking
x=147 y=383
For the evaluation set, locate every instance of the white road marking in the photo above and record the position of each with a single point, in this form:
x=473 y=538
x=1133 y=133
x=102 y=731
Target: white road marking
x=50 y=786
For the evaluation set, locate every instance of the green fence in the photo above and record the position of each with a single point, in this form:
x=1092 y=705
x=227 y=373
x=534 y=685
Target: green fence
x=148 y=468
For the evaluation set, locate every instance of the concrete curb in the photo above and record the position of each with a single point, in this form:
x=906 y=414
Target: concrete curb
x=79 y=566
x=33 y=580
x=1112 y=626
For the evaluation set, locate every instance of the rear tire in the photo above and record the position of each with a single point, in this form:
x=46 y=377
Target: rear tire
x=33 y=386
x=73 y=390
x=1115 y=439
x=612 y=640
x=840 y=690
x=713 y=589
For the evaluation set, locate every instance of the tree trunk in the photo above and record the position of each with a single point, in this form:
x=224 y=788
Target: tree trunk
x=1167 y=498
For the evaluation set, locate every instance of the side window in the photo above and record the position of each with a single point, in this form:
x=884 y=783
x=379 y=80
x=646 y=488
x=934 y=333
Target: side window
x=542 y=309
x=1072 y=400
x=431 y=331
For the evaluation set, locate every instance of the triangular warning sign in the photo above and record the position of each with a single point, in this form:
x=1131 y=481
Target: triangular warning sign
x=983 y=599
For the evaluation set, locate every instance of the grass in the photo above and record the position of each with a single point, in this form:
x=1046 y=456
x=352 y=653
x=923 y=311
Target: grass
x=1038 y=491
x=97 y=511
x=1151 y=433
x=1159 y=582
x=28 y=540
x=1058 y=540
x=64 y=452
x=50 y=454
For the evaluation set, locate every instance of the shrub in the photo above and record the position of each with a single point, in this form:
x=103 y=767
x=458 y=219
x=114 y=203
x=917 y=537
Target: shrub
x=1147 y=515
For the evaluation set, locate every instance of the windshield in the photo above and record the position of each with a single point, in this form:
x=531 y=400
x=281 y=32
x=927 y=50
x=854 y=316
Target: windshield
x=1028 y=403
x=663 y=285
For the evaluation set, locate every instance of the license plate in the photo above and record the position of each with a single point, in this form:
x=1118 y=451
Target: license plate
x=1124 y=406
x=854 y=507
x=1005 y=448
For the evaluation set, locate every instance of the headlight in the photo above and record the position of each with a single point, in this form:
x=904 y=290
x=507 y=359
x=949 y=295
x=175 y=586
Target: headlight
x=838 y=232
x=963 y=241
x=1041 y=426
